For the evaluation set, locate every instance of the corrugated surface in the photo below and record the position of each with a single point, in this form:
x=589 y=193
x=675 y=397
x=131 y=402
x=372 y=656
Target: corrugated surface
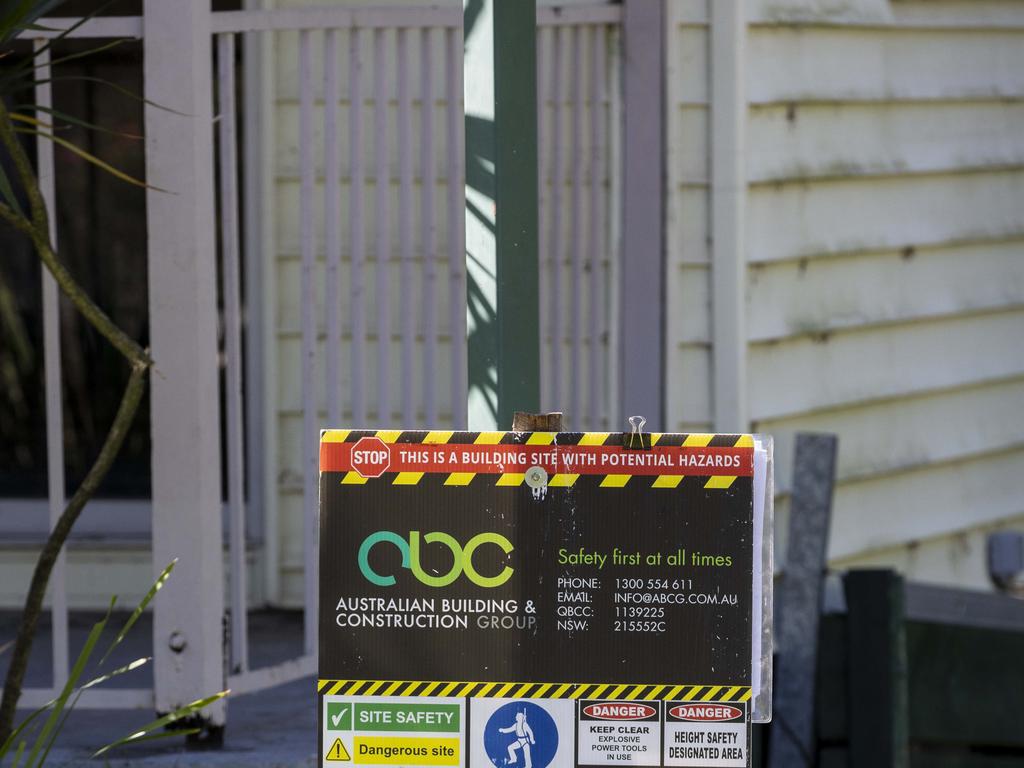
x=885 y=237
x=285 y=173
x=588 y=82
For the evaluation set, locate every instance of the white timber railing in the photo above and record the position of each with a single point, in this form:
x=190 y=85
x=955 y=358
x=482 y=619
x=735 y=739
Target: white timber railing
x=381 y=225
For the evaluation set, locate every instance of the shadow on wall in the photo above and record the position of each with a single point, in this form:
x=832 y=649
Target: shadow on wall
x=482 y=339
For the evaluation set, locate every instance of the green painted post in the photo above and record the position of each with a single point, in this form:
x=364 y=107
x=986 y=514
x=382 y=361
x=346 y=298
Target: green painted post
x=500 y=89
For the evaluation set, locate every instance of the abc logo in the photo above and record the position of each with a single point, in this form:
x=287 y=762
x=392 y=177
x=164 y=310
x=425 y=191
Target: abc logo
x=462 y=557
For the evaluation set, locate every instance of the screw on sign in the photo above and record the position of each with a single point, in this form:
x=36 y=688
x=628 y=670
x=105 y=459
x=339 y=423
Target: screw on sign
x=371 y=457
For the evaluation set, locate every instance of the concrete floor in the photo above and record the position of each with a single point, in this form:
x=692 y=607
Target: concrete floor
x=270 y=729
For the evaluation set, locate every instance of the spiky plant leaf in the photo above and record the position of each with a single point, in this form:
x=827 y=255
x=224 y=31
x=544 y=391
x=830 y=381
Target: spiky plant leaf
x=147 y=731
x=119 y=88
x=18 y=15
x=71 y=119
x=165 y=574
x=88 y=157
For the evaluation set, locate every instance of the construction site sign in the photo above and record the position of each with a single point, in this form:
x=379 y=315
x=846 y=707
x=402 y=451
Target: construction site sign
x=536 y=598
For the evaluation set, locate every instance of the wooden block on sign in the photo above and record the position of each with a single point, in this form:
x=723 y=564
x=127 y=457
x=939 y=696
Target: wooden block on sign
x=537 y=422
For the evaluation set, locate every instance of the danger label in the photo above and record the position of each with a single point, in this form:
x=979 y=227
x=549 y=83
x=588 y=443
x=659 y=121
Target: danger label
x=619 y=733
x=698 y=734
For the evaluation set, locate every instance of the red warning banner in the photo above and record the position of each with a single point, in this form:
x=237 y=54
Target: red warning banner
x=555 y=459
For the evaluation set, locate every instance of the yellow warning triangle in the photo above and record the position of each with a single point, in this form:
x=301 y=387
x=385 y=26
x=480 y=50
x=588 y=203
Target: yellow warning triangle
x=338 y=751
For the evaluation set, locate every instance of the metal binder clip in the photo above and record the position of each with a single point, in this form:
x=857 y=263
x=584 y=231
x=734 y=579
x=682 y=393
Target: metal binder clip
x=637 y=440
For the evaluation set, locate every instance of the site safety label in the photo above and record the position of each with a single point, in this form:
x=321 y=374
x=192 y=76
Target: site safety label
x=393 y=731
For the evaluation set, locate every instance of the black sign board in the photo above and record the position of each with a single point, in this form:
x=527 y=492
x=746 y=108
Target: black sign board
x=540 y=566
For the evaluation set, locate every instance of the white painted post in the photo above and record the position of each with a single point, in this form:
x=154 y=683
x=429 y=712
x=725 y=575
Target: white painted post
x=596 y=406
x=428 y=239
x=332 y=222
x=575 y=417
x=231 y=295
x=554 y=396
x=456 y=230
x=52 y=369
x=188 y=616
x=642 y=277
x=310 y=414
x=382 y=223
x=728 y=199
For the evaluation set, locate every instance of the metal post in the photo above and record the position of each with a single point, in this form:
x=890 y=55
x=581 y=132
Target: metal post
x=878 y=682
x=500 y=91
x=188 y=620
x=641 y=363
x=799 y=608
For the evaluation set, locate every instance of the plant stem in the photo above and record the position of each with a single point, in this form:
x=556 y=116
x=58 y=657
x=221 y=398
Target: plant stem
x=55 y=542
x=37 y=228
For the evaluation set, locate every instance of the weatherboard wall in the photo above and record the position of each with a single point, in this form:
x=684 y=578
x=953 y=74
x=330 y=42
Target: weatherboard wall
x=885 y=262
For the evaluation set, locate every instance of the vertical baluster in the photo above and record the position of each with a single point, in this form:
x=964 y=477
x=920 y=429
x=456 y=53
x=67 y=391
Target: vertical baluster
x=309 y=409
x=332 y=227
x=544 y=289
x=231 y=296
x=613 y=274
x=576 y=234
x=595 y=379
x=555 y=235
x=427 y=227
x=382 y=220
x=405 y=225
x=356 y=234
x=259 y=301
x=456 y=226
x=52 y=382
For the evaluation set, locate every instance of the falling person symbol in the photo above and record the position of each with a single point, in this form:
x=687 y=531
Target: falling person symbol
x=524 y=738
x=522 y=734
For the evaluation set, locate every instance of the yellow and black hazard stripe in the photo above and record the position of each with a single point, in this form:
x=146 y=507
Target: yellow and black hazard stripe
x=561 y=439
x=613 y=691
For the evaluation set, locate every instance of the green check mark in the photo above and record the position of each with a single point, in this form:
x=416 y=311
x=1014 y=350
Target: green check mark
x=339 y=717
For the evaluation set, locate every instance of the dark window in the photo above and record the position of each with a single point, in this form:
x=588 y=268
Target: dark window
x=101 y=225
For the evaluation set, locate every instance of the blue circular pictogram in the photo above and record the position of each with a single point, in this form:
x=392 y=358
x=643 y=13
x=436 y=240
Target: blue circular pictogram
x=521 y=734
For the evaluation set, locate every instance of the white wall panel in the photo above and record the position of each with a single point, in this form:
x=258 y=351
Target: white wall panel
x=918 y=430
x=814 y=296
x=836 y=64
x=805 y=141
x=942 y=498
x=892 y=212
x=808 y=374
x=885 y=234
